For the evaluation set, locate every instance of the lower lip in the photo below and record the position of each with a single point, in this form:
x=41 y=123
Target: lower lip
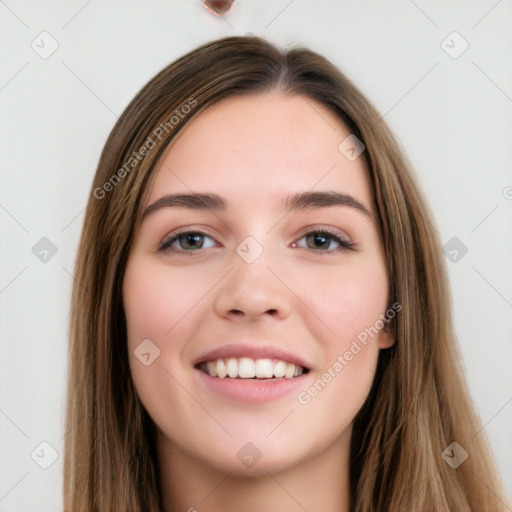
x=252 y=391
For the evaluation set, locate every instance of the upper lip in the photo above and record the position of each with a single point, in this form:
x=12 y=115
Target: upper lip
x=252 y=351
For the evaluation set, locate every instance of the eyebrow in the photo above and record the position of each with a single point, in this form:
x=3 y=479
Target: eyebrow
x=294 y=202
x=305 y=200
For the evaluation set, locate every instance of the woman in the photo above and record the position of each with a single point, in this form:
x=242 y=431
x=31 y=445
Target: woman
x=261 y=317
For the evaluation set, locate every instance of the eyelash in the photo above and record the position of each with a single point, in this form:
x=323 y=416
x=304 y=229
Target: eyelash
x=344 y=245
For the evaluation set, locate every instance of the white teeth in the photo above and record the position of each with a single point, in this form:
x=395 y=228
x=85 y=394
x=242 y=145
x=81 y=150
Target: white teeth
x=248 y=368
x=290 y=370
x=232 y=367
x=221 y=369
x=264 y=369
x=279 y=369
x=211 y=367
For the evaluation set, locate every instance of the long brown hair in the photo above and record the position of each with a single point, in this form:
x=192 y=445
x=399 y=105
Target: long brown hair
x=418 y=405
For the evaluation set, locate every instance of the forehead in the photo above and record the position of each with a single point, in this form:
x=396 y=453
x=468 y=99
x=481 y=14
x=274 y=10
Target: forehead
x=259 y=148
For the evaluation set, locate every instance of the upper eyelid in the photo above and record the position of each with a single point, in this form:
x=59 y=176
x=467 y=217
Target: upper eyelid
x=181 y=231
x=315 y=228
x=310 y=229
x=178 y=232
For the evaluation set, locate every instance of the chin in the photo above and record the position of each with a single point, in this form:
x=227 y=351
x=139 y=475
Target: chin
x=251 y=460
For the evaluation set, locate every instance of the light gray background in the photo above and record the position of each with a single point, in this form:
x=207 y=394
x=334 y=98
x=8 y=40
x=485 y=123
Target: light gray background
x=453 y=116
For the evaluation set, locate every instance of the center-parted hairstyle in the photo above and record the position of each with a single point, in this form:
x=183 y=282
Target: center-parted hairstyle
x=418 y=404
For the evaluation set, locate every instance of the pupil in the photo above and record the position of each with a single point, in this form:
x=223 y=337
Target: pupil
x=191 y=241
x=319 y=240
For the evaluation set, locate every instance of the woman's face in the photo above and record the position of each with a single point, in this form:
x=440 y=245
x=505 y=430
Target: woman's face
x=258 y=253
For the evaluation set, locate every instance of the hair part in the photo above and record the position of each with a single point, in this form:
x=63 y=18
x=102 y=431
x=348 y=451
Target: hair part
x=418 y=404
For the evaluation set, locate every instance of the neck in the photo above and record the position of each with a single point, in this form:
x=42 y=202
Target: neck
x=190 y=485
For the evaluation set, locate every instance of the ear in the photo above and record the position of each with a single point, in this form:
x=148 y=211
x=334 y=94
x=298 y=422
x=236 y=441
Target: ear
x=386 y=337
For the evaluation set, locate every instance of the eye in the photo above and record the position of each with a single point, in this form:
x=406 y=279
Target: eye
x=323 y=241
x=187 y=241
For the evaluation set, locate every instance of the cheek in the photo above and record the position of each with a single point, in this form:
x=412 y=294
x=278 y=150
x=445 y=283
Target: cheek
x=159 y=306
x=339 y=392
x=157 y=302
x=347 y=301
x=155 y=307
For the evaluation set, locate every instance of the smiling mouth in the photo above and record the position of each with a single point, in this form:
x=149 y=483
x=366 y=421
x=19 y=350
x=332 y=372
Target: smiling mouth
x=248 y=368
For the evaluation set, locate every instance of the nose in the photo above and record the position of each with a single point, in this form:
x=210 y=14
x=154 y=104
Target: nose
x=252 y=291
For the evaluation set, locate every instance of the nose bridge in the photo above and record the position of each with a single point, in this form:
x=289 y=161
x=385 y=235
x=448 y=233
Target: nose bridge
x=251 y=289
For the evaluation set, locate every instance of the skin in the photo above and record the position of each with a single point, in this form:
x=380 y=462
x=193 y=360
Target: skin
x=254 y=151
